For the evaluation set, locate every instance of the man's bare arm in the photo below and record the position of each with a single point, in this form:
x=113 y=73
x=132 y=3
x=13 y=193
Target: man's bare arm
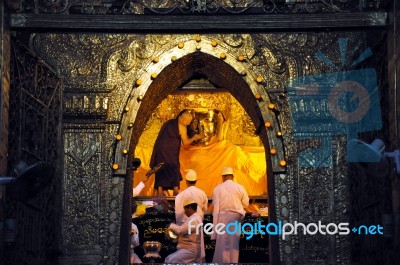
x=185 y=138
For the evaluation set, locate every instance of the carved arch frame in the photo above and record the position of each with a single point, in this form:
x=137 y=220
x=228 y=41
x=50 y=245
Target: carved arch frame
x=143 y=100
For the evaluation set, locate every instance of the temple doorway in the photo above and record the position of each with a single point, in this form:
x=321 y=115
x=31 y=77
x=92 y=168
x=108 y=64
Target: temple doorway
x=228 y=109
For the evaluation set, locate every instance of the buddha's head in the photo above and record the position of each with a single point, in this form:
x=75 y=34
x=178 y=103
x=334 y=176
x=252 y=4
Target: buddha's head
x=207 y=122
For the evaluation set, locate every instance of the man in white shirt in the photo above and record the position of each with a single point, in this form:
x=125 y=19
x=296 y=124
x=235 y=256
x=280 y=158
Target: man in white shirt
x=229 y=200
x=190 y=248
x=193 y=192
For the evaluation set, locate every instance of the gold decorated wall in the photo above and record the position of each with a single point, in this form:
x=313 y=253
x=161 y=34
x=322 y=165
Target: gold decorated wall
x=113 y=84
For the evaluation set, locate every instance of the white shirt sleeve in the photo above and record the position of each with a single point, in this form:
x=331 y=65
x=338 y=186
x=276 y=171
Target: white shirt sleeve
x=245 y=198
x=136 y=190
x=179 y=213
x=205 y=203
x=134 y=236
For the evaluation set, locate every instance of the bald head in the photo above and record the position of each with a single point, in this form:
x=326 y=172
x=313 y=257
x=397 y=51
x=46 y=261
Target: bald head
x=185 y=118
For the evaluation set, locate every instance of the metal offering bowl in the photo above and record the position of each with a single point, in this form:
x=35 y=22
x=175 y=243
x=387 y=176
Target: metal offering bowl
x=152 y=249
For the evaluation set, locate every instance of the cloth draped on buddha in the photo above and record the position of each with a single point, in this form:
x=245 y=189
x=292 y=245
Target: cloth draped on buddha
x=249 y=164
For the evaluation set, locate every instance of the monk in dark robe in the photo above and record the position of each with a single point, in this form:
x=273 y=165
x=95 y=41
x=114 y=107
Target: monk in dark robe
x=166 y=149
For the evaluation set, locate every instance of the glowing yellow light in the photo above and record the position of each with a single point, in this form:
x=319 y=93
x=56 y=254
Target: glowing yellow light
x=259 y=79
x=282 y=163
x=222 y=56
x=118 y=137
x=181 y=45
x=153 y=75
x=156 y=60
x=272 y=151
x=214 y=43
x=138 y=82
x=268 y=124
x=115 y=166
x=271 y=106
x=241 y=58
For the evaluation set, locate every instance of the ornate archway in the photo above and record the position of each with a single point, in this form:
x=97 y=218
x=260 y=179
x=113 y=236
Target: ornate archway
x=144 y=101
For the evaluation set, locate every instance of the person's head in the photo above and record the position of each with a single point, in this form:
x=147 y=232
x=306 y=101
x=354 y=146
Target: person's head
x=189 y=207
x=191 y=177
x=227 y=173
x=185 y=118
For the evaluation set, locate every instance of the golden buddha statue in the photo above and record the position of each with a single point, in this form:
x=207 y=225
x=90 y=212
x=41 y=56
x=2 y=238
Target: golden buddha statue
x=208 y=122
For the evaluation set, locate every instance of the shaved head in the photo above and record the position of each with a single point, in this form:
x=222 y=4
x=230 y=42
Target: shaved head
x=185 y=118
